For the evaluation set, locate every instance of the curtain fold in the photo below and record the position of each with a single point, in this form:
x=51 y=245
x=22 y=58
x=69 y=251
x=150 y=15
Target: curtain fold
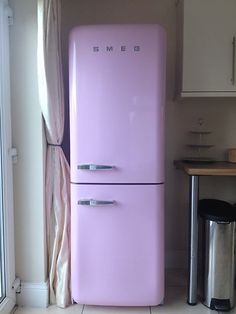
x=57 y=185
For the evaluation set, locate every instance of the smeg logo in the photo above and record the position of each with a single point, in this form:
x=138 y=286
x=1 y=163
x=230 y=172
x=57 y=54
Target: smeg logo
x=112 y=48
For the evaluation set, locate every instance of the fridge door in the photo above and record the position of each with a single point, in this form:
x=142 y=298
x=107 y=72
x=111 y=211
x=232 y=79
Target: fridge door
x=117 y=244
x=117 y=96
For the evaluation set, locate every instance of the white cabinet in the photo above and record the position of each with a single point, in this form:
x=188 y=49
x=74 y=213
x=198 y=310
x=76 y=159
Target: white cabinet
x=206 y=48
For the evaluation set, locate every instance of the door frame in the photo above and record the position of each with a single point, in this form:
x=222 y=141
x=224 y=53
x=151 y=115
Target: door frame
x=6 y=147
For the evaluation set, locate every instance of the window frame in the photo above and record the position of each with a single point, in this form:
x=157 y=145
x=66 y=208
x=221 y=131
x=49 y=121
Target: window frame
x=6 y=155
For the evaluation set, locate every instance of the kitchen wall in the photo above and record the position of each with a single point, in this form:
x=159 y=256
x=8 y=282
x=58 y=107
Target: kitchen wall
x=181 y=116
x=28 y=138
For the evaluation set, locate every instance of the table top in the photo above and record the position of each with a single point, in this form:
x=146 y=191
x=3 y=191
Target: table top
x=218 y=168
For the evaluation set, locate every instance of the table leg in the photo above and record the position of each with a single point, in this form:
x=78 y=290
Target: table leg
x=193 y=240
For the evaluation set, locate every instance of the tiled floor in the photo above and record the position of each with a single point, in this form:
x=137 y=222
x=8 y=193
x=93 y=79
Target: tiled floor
x=175 y=303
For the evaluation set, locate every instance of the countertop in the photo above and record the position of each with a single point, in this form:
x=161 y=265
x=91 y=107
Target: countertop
x=218 y=168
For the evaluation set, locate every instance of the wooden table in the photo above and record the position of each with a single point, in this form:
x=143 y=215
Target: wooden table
x=194 y=170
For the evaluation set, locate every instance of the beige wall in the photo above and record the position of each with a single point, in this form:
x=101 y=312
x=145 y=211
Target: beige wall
x=28 y=139
x=219 y=114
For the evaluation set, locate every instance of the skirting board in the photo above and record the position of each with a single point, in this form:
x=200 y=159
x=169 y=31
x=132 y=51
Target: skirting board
x=33 y=294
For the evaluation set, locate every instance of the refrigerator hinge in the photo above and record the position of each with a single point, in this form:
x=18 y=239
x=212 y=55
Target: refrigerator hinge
x=14 y=155
x=16 y=285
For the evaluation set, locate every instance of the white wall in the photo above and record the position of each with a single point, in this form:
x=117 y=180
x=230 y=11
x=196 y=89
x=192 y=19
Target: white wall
x=219 y=114
x=28 y=139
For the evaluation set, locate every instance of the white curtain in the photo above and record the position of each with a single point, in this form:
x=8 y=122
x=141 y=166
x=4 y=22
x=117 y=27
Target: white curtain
x=57 y=185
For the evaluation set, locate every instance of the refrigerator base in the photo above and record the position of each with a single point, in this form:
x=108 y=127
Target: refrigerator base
x=120 y=305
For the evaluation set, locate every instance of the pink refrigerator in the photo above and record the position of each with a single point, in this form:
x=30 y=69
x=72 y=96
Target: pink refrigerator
x=117 y=106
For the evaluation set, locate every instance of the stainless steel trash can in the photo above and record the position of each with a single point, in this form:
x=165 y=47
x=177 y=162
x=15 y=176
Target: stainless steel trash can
x=218 y=253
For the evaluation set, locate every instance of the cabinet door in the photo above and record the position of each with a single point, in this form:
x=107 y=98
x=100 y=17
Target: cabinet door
x=209 y=29
x=117 y=249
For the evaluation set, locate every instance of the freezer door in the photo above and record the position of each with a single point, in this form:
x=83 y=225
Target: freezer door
x=117 y=97
x=117 y=245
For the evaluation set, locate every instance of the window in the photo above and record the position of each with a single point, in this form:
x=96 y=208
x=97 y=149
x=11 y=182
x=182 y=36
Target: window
x=7 y=259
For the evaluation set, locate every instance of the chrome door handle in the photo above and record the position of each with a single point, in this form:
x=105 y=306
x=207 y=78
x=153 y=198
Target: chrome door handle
x=233 y=61
x=93 y=167
x=92 y=202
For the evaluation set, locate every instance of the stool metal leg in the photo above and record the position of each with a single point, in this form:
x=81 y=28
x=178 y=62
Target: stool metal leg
x=193 y=240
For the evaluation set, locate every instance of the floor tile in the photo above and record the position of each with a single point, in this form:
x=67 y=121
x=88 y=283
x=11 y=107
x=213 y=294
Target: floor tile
x=175 y=303
x=29 y=310
x=73 y=309
x=233 y=311
x=115 y=310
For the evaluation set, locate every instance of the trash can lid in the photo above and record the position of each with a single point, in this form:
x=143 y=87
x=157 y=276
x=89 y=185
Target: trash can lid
x=216 y=210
